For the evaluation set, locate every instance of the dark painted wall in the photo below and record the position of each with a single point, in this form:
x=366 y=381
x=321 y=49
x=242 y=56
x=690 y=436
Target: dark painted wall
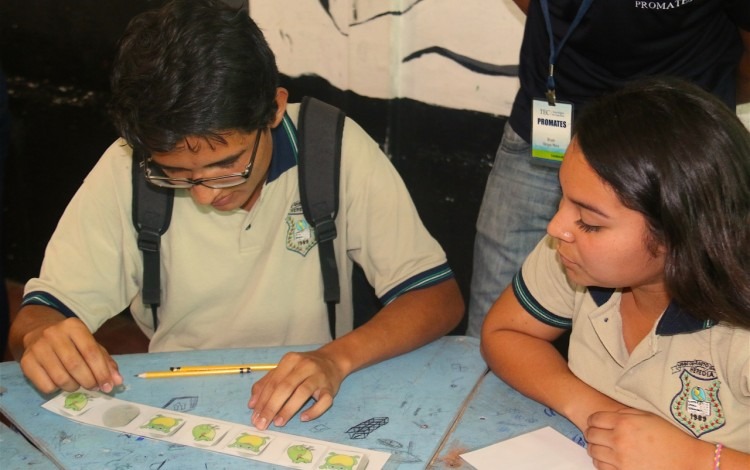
x=56 y=56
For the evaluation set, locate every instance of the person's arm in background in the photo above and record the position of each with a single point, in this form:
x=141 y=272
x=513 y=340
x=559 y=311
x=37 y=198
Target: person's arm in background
x=743 y=70
x=58 y=352
x=523 y=5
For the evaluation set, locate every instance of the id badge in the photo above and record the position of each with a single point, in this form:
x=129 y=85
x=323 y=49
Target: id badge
x=551 y=129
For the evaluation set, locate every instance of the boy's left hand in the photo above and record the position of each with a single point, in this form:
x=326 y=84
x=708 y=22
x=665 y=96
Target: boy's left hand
x=277 y=396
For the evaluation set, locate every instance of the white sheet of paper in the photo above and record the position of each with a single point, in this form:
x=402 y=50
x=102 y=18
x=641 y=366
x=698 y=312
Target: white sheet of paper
x=544 y=448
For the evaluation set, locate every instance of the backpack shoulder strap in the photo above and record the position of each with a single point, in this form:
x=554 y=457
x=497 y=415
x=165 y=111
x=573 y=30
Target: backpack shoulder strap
x=321 y=128
x=152 y=212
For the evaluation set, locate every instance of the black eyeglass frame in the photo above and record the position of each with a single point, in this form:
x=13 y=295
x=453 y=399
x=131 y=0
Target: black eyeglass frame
x=187 y=183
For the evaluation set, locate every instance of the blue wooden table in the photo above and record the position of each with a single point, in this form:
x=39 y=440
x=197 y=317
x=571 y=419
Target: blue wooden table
x=418 y=395
x=17 y=452
x=496 y=412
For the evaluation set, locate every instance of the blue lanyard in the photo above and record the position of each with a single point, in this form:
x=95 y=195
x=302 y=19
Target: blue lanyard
x=554 y=52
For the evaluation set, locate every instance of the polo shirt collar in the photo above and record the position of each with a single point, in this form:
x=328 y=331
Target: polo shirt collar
x=677 y=320
x=285 y=148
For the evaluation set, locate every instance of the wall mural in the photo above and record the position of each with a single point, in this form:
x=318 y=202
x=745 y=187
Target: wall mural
x=431 y=80
x=460 y=55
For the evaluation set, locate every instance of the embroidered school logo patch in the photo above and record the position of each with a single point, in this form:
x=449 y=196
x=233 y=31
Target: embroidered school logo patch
x=300 y=235
x=697 y=406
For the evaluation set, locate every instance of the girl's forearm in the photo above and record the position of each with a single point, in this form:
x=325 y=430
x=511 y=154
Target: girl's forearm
x=536 y=369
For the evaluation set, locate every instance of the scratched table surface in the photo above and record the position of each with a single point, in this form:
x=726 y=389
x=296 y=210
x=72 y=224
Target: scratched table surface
x=415 y=398
x=496 y=412
x=17 y=452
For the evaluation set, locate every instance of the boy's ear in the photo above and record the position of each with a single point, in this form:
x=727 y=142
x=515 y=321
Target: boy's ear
x=281 y=98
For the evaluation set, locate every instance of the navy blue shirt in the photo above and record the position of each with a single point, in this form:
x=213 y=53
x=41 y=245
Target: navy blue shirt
x=620 y=40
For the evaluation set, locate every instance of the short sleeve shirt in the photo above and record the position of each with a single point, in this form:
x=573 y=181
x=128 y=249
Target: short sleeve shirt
x=239 y=278
x=693 y=374
x=621 y=40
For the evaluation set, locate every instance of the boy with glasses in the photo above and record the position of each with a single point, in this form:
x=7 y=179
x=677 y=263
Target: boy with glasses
x=195 y=94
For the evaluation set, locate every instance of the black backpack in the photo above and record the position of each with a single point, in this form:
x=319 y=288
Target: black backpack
x=320 y=128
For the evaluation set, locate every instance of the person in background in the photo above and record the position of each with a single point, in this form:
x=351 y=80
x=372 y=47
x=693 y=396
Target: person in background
x=647 y=260
x=573 y=51
x=195 y=92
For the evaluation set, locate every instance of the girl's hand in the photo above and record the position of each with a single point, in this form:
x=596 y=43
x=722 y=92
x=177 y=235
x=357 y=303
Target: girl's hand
x=633 y=439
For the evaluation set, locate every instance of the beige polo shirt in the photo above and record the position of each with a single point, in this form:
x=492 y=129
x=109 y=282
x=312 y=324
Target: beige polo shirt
x=239 y=279
x=693 y=374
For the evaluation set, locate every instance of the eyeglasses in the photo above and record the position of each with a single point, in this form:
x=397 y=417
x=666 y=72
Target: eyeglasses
x=156 y=175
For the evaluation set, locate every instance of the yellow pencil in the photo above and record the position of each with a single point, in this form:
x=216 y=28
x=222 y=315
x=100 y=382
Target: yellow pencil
x=252 y=367
x=168 y=374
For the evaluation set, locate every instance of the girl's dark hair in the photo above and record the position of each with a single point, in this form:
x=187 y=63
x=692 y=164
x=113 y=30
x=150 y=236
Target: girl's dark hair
x=681 y=157
x=191 y=68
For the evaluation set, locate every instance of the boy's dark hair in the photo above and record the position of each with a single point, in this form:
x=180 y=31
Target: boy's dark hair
x=681 y=157
x=191 y=68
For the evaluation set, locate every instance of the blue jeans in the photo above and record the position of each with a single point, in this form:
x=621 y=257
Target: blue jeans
x=519 y=200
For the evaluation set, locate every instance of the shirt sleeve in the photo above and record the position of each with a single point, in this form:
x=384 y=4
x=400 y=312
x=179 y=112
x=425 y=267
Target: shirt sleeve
x=542 y=288
x=385 y=233
x=91 y=261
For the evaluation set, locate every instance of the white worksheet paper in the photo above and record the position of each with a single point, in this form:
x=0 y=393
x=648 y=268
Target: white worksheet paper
x=544 y=448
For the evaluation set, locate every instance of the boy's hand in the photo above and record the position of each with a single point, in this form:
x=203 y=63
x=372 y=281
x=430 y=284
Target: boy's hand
x=276 y=397
x=65 y=355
